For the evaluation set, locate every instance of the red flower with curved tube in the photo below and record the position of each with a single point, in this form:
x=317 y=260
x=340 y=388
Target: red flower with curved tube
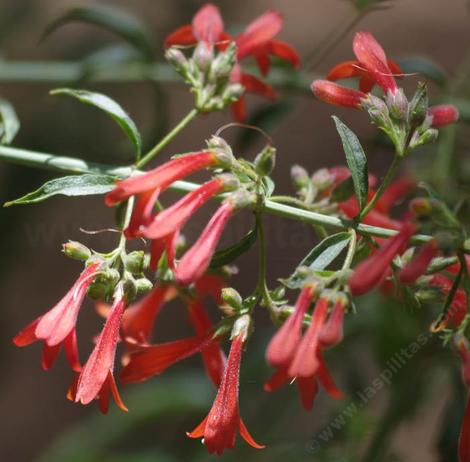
x=149 y=185
x=57 y=327
x=219 y=428
x=96 y=379
x=416 y=267
x=338 y=95
x=257 y=40
x=371 y=271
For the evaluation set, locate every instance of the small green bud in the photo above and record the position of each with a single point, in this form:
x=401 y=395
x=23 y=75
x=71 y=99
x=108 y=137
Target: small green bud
x=300 y=177
x=104 y=284
x=241 y=327
x=177 y=59
x=134 y=262
x=322 y=179
x=203 y=55
x=223 y=63
x=76 y=250
x=266 y=160
x=232 y=298
x=143 y=286
x=398 y=104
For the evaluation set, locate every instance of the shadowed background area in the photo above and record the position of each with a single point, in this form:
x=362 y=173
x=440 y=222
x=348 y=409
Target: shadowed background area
x=37 y=421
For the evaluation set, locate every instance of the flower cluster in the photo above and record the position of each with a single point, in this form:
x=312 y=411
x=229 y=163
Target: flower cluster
x=383 y=248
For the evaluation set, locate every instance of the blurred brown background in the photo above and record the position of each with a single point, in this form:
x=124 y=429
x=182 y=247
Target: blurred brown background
x=34 y=274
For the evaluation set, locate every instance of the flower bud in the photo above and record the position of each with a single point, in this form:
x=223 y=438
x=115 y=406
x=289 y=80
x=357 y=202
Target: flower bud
x=230 y=182
x=232 y=298
x=443 y=114
x=223 y=64
x=398 y=104
x=129 y=288
x=76 y=250
x=322 y=179
x=232 y=93
x=143 y=286
x=203 y=55
x=377 y=109
x=266 y=160
x=300 y=177
x=134 y=262
x=176 y=58
x=428 y=136
x=241 y=327
x=421 y=207
x=418 y=106
x=104 y=284
x=242 y=198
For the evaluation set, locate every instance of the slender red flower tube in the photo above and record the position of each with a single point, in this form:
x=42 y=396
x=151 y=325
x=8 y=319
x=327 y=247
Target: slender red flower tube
x=372 y=56
x=397 y=190
x=219 y=428
x=173 y=218
x=458 y=308
x=213 y=356
x=196 y=260
x=57 y=326
x=331 y=333
x=416 y=267
x=305 y=363
x=138 y=320
x=161 y=177
x=370 y=272
x=443 y=114
x=338 y=95
x=152 y=360
x=96 y=378
x=282 y=347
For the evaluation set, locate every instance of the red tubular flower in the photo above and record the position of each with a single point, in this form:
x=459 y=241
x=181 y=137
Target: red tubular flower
x=282 y=347
x=416 y=268
x=57 y=326
x=332 y=332
x=458 y=308
x=196 y=260
x=96 y=379
x=305 y=363
x=138 y=320
x=443 y=114
x=397 y=190
x=370 y=272
x=333 y=93
x=207 y=26
x=212 y=355
x=152 y=360
x=372 y=56
x=173 y=218
x=150 y=184
x=219 y=428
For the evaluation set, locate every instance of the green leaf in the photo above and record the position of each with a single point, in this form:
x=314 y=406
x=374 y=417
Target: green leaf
x=77 y=185
x=356 y=160
x=320 y=257
x=343 y=191
x=425 y=67
x=112 y=19
x=9 y=123
x=109 y=106
x=228 y=255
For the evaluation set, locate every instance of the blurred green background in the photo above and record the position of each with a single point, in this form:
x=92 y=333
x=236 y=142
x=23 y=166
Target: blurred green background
x=414 y=419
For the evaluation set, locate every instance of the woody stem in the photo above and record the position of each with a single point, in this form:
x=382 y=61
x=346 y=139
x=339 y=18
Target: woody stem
x=78 y=166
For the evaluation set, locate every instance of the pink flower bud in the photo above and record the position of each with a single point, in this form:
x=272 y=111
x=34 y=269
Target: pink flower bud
x=333 y=93
x=443 y=114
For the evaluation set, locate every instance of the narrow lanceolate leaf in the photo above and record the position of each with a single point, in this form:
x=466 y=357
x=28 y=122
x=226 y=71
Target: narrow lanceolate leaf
x=228 y=255
x=356 y=160
x=320 y=257
x=9 y=123
x=112 y=19
x=77 y=185
x=109 y=106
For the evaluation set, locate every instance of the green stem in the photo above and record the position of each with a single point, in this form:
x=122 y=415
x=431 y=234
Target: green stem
x=383 y=186
x=167 y=139
x=77 y=166
x=351 y=250
x=125 y=223
x=261 y=288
